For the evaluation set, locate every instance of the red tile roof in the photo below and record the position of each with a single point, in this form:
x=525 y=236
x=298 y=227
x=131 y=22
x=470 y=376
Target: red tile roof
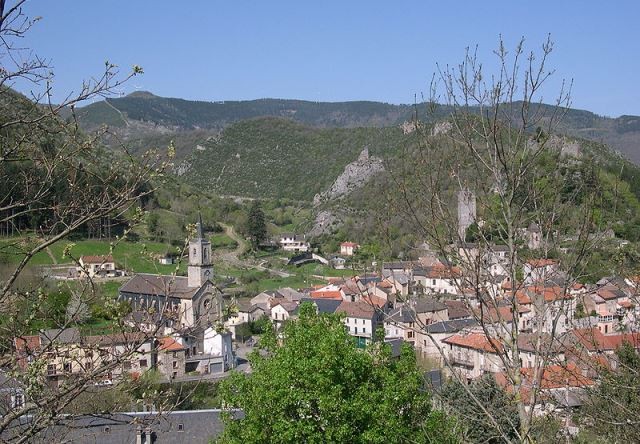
x=169 y=344
x=349 y=244
x=358 y=309
x=475 y=341
x=593 y=339
x=538 y=263
x=553 y=377
x=327 y=294
x=96 y=259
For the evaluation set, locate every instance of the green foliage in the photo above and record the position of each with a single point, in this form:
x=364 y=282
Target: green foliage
x=611 y=408
x=274 y=158
x=477 y=425
x=256 y=225
x=314 y=386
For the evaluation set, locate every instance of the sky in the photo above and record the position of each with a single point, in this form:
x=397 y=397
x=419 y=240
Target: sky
x=335 y=50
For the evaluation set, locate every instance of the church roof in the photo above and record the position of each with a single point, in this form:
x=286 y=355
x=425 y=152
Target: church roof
x=160 y=285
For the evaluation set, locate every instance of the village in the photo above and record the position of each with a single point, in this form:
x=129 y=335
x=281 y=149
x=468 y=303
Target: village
x=459 y=323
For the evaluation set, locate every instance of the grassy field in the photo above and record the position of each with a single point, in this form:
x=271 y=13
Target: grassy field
x=137 y=257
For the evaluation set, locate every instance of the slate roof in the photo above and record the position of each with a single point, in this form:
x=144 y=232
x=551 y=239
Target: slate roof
x=193 y=426
x=427 y=305
x=323 y=305
x=457 y=309
x=402 y=315
x=160 y=285
x=60 y=336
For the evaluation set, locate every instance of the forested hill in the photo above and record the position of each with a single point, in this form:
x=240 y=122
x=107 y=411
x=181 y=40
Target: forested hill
x=188 y=114
x=277 y=158
x=142 y=114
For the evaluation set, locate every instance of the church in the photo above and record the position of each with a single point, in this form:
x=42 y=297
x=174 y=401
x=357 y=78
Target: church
x=188 y=308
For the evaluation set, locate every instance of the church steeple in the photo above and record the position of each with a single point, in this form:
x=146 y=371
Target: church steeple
x=200 y=269
x=199 y=227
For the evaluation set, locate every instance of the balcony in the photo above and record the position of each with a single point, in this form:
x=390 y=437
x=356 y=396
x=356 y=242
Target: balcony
x=461 y=361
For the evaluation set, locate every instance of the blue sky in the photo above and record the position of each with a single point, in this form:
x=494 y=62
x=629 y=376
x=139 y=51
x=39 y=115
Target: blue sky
x=334 y=50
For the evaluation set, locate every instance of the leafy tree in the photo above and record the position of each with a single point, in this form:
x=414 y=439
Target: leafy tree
x=313 y=385
x=256 y=225
x=477 y=426
x=611 y=410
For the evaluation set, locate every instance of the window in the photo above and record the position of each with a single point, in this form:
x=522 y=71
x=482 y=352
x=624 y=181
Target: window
x=180 y=427
x=356 y=330
x=175 y=364
x=194 y=253
x=67 y=367
x=410 y=334
x=107 y=429
x=434 y=282
x=143 y=363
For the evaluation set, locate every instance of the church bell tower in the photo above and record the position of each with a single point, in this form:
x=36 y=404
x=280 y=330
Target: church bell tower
x=200 y=269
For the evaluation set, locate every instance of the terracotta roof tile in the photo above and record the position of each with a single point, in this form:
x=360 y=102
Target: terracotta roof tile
x=476 y=341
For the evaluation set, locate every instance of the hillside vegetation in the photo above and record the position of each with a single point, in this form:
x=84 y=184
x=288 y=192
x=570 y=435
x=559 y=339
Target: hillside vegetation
x=277 y=158
x=142 y=114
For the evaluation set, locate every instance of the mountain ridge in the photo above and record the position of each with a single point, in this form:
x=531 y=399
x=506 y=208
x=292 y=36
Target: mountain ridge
x=142 y=114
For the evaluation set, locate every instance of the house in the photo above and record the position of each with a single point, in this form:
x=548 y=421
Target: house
x=540 y=270
x=428 y=310
x=361 y=319
x=401 y=323
x=552 y=308
x=216 y=356
x=348 y=248
x=283 y=310
x=323 y=305
x=429 y=339
x=557 y=388
x=177 y=426
x=171 y=357
x=181 y=302
x=97 y=266
x=439 y=278
x=68 y=353
x=613 y=304
x=293 y=242
x=473 y=354
x=338 y=262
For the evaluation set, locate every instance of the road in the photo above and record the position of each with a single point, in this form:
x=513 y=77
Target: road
x=233 y=257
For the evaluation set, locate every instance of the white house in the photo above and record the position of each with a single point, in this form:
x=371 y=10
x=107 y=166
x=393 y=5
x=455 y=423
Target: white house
x=361 y=319
x=293 y=242
x=348 y=248
x=91 y=266
x=473 y=354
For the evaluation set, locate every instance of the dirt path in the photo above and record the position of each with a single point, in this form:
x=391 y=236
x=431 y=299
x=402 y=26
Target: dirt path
x=233 y=257
x=53 y=258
